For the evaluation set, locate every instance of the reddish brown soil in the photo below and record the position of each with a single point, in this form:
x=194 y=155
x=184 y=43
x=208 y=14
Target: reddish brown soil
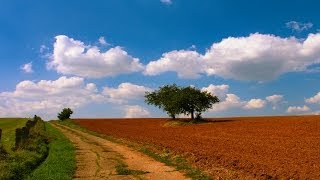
x=262 y=147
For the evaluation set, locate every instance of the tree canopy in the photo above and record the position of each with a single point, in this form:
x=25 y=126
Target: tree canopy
x=177 y=100
x=65 y=114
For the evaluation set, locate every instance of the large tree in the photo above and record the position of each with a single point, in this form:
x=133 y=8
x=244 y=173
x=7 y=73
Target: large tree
x=166 y=98
x=177 y=100
x=195 y=101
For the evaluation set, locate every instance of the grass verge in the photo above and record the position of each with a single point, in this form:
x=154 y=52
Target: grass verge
x=8 y=126
x=122 y=169
x=60 y=163
x=180 y=163
x=18 y=163
x=164 y=156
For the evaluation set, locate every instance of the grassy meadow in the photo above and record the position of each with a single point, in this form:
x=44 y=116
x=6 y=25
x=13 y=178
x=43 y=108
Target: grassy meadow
x=8 y=126
x=45 y=153
x=60 y=163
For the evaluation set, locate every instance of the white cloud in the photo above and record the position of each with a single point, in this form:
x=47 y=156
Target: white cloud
x=274 y=98
x=125 y=92
x=46 y=98
x=168 y=2
x=257 y=57
x=74 y=57
x=103 y=41
x=314 y=100
x=27 y=68
x=187 y=64
x=136 y=111
x=261 y=57
x=255 y=104
x=217 y=90
x=298 y=26
x=231 y=101
x=298 y=109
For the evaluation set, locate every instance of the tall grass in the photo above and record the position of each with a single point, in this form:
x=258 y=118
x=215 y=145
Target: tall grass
x=20 y=162
x=8 y=126
x=60 y=163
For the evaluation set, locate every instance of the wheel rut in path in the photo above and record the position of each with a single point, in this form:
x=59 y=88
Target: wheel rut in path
x=97 y=158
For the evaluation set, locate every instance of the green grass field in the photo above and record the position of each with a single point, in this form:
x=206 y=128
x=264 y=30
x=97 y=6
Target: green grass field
x=48 y=154
x=60 y=163
x=8 y=126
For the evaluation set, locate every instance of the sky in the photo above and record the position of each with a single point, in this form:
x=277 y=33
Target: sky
x=100 y=57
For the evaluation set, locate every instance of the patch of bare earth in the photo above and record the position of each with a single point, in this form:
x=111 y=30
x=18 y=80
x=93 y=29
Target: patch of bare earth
x=97 y=158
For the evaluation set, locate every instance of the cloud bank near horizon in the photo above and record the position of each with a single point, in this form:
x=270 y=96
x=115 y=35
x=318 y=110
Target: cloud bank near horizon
x=257 y=57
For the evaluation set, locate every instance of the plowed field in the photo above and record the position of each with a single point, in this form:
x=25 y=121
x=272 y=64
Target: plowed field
x=260 y=147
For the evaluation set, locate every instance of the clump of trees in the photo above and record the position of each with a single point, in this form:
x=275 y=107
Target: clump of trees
x=177 y=100
x=65 y=114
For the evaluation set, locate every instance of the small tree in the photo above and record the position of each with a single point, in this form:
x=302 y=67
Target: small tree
x=65 y=114
x=176 y=100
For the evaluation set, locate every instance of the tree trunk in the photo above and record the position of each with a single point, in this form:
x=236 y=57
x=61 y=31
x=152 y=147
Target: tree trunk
x=192 y=114
x=173 y=116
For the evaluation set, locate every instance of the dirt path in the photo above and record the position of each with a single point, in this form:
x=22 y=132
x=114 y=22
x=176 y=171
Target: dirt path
x=98 y=158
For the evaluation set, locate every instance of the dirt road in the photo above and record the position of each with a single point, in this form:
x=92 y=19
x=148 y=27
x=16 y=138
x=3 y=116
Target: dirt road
x=98 y=158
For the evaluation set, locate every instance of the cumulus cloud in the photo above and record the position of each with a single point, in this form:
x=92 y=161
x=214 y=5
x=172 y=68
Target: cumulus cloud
x=187 y=64
x=231 y=101
x=298 y=109
x=47 y=97
x=27 y=68
x=274 y=100
x=71 y=56
x=125 y=92
x=255 y=104
x=217 y=90
x=257 y=57
x=136 y=111
x=167 y=2
x=298 y=26
x=314 y=100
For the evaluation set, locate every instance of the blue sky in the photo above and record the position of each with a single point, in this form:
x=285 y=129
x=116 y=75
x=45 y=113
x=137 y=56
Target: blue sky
x=259 y=57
